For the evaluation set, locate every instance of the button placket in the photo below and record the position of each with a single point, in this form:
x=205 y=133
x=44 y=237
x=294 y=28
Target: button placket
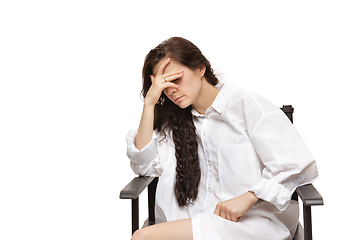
x=210 y=174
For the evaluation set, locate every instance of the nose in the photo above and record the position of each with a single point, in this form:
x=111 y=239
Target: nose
x=170 y=90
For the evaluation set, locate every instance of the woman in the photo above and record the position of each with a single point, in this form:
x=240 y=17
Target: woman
x=227 y=160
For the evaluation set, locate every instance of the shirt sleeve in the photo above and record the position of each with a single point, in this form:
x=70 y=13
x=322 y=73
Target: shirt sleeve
x=144 y=162
x=287 y=161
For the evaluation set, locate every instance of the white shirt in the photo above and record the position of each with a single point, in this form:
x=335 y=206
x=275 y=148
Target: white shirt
x=245 y=144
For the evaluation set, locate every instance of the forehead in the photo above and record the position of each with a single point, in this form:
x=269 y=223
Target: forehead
x=173 y=66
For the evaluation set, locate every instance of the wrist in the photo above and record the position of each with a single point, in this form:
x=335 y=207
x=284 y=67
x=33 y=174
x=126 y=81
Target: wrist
x=253 y=198
x=149 y=106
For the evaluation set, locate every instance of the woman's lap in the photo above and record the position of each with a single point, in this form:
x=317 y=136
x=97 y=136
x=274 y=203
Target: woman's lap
x=209 y=226
x=257 y=225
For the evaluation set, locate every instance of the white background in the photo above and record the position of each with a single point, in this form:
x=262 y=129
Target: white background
x=70 y=86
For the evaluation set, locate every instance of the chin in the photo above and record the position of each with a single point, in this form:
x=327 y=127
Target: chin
x=183 y=105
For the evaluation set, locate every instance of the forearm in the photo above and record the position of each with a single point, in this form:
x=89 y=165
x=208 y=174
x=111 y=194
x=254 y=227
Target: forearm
x=145 y=131
x=252 y=198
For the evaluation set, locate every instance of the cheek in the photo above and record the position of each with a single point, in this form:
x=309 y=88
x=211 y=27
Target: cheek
x=166 y=92
x=195 y=87
x=190 y=83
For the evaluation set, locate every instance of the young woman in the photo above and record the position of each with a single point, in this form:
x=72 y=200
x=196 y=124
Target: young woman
x=227 y=160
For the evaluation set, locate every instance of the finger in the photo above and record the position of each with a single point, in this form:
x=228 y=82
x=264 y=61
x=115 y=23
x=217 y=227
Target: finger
x=235 y=217
x=173 y=76
x=228 y=215
x=222 y=214
x=169 y=77
x=170 y=84
x=163 y=66
x=217 y=212
x=173 y=73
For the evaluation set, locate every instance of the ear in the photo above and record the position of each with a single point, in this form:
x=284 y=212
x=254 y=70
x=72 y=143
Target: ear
x=152 y=78
x=202 y=70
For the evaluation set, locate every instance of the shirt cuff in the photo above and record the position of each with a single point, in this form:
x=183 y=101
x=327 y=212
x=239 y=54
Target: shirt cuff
x=272 y=192
x=143 y=156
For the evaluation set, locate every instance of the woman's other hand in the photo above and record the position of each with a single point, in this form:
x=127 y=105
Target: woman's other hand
x=234 y=208
x=160 y=82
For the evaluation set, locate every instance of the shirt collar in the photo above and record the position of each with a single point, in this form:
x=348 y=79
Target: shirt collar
x=223 y=98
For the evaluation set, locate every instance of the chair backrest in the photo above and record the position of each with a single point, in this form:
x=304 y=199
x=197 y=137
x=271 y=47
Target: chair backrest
x=289 y=110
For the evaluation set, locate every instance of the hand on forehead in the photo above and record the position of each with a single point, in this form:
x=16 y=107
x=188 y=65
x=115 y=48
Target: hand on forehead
x=169 y=67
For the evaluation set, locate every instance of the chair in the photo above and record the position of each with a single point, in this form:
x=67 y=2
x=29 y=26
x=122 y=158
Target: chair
x=308 y=194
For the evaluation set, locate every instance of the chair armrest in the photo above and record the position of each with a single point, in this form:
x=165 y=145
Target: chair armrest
x=309 y=195
x=135 y=187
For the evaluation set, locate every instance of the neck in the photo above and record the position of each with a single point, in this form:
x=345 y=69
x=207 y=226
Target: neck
x=206 y=97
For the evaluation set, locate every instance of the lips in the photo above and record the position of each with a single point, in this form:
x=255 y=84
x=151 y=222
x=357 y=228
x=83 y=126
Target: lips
x=178 y=98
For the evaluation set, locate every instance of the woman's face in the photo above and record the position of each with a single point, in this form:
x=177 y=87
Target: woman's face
x=189 y=85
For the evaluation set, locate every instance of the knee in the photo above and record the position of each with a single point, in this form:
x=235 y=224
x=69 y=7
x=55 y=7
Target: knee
x=139 y=234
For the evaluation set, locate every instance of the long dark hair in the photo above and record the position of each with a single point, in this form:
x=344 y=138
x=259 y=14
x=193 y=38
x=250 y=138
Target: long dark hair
x=171 y=119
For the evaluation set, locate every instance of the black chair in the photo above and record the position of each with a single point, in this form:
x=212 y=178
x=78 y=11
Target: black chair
x=308 y=194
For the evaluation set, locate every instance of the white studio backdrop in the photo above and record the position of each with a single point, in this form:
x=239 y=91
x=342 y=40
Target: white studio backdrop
x=70 y=75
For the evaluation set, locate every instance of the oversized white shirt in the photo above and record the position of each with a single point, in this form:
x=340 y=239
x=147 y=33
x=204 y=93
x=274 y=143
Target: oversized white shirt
x=245 y=144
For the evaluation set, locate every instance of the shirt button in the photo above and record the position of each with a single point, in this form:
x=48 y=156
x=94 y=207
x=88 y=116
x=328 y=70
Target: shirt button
x=153 y=163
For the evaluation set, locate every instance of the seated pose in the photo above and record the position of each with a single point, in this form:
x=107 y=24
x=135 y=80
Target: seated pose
x=227 y=159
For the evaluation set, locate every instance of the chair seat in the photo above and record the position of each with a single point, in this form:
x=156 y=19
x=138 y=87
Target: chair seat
x=148 y=223
x=299 y=235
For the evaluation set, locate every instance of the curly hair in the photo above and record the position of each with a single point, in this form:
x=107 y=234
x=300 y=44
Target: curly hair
x=170 y=118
